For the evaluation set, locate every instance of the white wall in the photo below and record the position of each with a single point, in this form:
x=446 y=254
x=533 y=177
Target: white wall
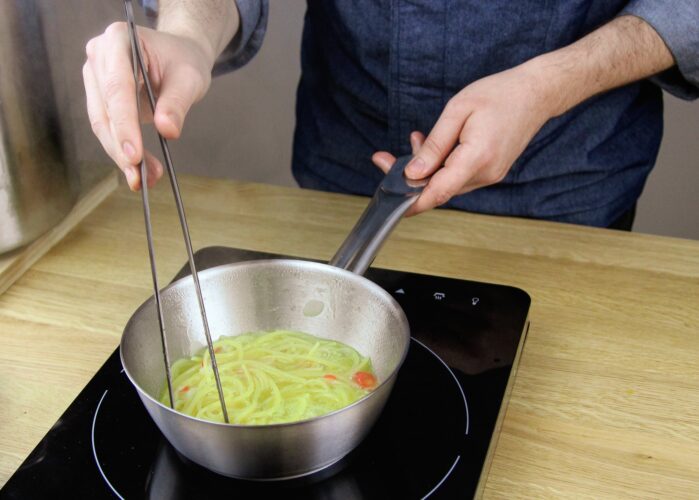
x=670 y=202
x=243 y=127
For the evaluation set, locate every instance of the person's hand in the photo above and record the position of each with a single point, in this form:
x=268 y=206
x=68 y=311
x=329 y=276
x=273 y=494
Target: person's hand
x=179 y=69
x=479 y=135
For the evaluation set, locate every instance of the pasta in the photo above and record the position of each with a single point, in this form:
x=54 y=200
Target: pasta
x=271 y=377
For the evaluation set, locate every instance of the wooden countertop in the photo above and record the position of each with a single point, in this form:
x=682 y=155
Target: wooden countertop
x=606 y=401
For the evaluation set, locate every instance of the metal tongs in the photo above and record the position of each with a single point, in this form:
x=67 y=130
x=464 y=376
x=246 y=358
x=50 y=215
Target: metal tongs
x=137 y=59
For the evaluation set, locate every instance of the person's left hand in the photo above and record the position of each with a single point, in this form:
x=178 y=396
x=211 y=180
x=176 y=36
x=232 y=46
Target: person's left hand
x=479 y=135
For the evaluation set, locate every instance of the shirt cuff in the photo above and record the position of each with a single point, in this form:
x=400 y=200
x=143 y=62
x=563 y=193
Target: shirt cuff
x=677 y=22
x=248 y=40
x=151 y=9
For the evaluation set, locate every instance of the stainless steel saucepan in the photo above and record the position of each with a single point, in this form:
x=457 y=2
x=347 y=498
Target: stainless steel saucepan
x=333 y=301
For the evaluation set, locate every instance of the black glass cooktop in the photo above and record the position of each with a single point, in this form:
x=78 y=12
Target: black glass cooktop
x=431 y=440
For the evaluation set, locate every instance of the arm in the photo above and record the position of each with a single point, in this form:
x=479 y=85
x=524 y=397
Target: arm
x=625 y=50
x=677 y=23
x=485 y=127
x=179 y=55
x=212 y=23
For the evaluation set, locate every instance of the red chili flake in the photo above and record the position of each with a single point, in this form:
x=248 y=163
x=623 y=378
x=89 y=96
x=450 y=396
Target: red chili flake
x=218 y=349
x=365 y=380
x=330 y=376
x=185 y=388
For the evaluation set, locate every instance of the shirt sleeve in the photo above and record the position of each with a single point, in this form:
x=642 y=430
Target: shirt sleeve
x=248 y=40
x=677 y=23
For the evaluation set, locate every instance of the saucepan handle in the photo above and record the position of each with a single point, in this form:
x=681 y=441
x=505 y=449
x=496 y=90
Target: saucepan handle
x=391 y=200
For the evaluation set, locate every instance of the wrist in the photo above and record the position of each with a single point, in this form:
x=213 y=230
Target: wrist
x=202 y=43
x=558 y=84
x=211 y=27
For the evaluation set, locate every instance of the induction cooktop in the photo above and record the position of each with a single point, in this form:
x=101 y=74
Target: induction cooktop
x=433 y=439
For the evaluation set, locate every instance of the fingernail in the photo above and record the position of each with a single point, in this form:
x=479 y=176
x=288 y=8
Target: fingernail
x=129 y=150
x=416 y=167
x=128 y=173
x=132 y=178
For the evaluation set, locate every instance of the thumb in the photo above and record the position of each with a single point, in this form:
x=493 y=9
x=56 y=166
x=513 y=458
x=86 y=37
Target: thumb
x=179 y=89
x=435 y=148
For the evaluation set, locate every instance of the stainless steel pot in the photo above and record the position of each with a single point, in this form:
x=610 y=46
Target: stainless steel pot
x=35 y=190
x=331 y=301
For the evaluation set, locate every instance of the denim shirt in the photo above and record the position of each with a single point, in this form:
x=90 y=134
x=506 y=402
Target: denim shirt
x=373 y=71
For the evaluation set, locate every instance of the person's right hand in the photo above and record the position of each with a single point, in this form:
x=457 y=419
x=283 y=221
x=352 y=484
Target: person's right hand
x=179 y=68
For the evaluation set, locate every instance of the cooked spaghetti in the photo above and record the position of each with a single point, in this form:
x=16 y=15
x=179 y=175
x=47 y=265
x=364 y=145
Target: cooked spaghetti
x=271 y=377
